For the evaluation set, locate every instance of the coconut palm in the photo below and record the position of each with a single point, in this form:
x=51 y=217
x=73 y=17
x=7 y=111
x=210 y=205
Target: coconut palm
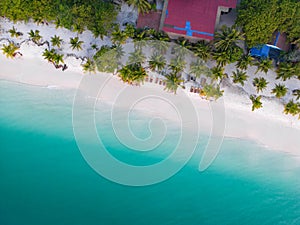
x=212 y=91
x=177 y=64
x=292 y=108
x=222 y=58
x=129 y=30
x=143 y=6
x=286 y=71
x=76 y=43
x=256 y=102
x=118 y=51
x=173 y=80
x=118 y=36
x=244 y=62
x=202 y=49
x=35 y=36
x=160 y=47
x=58 y=58
x=14 y=33
x=279 y=90
x=140 y=39
x=260 y=83
x=217 y=73
x=263 y=65
x=49 y=55
x=296 y=93
x=181 y=47
x=132 y=74
x=239 y=76
x=199 y=68
x=157 y=62
x=227 y=39
x=56 y=41
x=136 y=56
x=89 y=66
x=10 y=50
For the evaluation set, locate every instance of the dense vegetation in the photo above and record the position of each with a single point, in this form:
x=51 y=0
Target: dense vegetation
x=77 y=15
x=261 y=18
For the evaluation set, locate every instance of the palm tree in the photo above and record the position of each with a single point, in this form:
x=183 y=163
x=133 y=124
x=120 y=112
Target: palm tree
x=89 y=66
x=264 y=65
x=35 y=36
x=58 y=58
x=286 y=71
x=10 y=50
x=181 y=47
x=173 y=80
x=140 y=39
x=177 y=64
x=239 y=77
x=296 y=93
x=218 y=73
x=143 y=6
x=227 y=39
x=56 y=41
x=14 y=33
x=129 y=30
x=244 y=62
x=260 y=83
x=212 y=91
x=118 y=36
x=49 y=55
x=292 y=108
x=160 y=47
x=280 y=90
x=157 y=62
x=136 y=56
x=222 y=58
x=202 y=49
x=76 y=43
x=256 y=102
x=198 y=68
x=118 y=52
x=132 y=74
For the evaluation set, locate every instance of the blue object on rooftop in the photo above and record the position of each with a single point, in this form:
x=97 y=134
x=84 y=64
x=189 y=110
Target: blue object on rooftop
x=189 y=31
x=167 y=13
x=265 y=51
x=277 y=38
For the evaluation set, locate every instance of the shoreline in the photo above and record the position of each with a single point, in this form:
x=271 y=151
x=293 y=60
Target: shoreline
x=275 y=131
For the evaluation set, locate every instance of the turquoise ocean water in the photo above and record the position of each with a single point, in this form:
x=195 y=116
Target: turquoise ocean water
x=44 y=179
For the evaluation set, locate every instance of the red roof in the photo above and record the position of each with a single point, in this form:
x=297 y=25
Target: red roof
x=200 y=14
x=151 y=20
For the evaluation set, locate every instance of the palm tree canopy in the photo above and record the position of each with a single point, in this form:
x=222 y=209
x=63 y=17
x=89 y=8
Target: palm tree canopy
x=260 y=83
x=76 y=43
x=89 y=66
x=10 y=50
x=157 y=62
x=35 y=36
x=227 y=39
x=279 y=90
x=256 y=102
x=133 y=73
x=292 y=108
x=239 y=76
x=244 y=62
x=173 y=80
x=218 y=73
x=56 y=41
x=264 y=65
x=198 y=68
x=143 y=6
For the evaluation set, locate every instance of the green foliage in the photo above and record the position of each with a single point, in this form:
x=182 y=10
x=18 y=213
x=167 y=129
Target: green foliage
x=53 y=56
x=89 y=66
x=10 y=50
x=35 y=36
x=260 y=83
x=261 y=18
x=95 y=15
x=56 y=41
x=14 y=33
x=244 y=62
x=292 y=108
x=279 y=90
x=217 y=73
x=239 y=77
x=173 y=80
x=286 y=70
x=199 y=68
x=76 y=43
x=263 y=65
x=143 y=6
x=256 y=102
x=212 y=91
x=157 y=62
x=132 y=74
x=202 y=49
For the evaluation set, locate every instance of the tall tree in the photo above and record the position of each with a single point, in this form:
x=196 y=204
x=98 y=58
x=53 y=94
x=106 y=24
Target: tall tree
x=157 y=62
x=10 y=50
x=292 y=108
x=263 y=65
x=76 y=43
x=143 y=6
x=199 y=68
x=279 y=90
x=173 y=81
x=35 y=36
x=239 y=76
x=56 y=41
x=260 y=84
x=244 y=62
x=256 y=102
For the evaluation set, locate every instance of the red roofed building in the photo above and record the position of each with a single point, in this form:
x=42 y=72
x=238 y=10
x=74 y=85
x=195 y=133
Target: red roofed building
x=193 y=18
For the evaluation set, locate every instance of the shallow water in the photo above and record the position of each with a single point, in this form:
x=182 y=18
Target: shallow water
x=45 y=179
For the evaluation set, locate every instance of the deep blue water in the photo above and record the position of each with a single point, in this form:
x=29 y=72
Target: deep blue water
x=45 y=180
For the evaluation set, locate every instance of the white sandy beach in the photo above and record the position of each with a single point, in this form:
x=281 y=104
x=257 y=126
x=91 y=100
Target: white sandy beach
x=267 y=126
